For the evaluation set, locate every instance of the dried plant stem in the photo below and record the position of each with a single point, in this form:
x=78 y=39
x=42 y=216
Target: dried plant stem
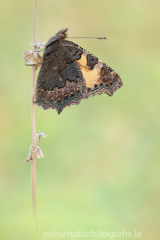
x=33 y=167
x=33 y=163
x=35 y=21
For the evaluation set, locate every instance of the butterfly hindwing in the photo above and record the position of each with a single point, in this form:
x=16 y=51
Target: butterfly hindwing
x=60 y=80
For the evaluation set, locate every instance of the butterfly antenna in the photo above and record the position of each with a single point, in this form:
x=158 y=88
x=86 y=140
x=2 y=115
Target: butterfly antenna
x=90 y=37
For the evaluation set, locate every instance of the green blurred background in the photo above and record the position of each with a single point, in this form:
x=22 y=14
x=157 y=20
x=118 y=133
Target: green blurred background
x=101 y=165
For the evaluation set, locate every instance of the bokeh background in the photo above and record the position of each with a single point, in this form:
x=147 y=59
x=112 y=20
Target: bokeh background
x=101 y=165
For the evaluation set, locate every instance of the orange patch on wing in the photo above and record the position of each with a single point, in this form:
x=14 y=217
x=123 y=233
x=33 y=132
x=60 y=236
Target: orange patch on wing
x=91 y=76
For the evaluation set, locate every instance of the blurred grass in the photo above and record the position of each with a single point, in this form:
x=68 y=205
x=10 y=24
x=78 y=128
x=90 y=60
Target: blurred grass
x=101 y=165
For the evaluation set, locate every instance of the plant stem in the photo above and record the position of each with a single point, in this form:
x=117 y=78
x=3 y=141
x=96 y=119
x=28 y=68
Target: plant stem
x=35 y=21
x=33 y=164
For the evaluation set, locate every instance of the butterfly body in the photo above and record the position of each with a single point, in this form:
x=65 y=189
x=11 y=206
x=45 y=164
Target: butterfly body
x=69 y=74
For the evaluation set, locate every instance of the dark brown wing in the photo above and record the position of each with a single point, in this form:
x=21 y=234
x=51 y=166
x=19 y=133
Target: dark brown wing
x=99 y=77
x=60 y=81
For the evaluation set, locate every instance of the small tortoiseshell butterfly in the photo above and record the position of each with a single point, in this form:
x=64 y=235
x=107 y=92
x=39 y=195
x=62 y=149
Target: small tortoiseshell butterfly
x=69 y=74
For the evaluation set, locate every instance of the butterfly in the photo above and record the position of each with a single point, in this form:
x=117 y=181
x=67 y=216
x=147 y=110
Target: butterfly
x=69 y=74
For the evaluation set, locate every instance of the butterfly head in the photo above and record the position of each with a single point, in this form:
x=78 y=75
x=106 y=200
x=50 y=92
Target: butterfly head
x=62 y=34
x=59 y=36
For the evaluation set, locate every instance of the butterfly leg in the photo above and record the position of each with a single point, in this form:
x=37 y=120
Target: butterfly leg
x=40 y=62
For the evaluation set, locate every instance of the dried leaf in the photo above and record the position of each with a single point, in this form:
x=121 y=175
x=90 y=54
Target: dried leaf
x=34 y=152
x=32 y=58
